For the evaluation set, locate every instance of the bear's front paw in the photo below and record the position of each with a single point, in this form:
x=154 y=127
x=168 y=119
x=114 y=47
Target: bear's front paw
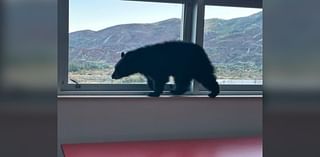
x=154 y=94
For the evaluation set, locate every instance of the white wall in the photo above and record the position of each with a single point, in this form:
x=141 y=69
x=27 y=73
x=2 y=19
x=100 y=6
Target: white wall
x=83 y=120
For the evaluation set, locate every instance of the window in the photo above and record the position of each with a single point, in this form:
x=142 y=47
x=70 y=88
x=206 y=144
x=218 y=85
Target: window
x=100 y=30
x=233 y=42
x=92 y=34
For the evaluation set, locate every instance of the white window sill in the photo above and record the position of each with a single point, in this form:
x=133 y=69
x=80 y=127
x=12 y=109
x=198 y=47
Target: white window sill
x=161 y=97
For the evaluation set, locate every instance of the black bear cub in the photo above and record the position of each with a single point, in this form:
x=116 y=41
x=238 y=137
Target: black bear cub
x=184 y=61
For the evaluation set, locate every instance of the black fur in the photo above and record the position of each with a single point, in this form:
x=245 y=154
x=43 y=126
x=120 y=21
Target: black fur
x=184 y=61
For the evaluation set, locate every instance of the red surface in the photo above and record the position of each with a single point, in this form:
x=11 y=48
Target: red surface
x=240 y=147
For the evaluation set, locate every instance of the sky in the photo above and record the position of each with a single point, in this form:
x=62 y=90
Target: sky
x=99 y=14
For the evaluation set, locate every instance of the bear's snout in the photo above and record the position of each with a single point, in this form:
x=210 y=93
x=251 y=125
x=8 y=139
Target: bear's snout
x=114 y=76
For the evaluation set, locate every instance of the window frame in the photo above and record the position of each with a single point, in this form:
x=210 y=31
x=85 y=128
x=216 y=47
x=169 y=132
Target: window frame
x=192 y=30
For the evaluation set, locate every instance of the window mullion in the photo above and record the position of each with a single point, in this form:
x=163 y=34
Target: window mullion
x=63 y=41
x=197 y=10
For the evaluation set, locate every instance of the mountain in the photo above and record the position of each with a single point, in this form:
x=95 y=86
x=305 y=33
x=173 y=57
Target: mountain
x=237 y=40
x=227 y=42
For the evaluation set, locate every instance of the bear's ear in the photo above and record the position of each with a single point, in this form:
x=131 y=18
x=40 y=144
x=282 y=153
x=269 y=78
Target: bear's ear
x=122 y=54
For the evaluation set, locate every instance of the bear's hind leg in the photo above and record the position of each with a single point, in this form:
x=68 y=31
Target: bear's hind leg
x=158 y=86
x=182 y=85
x=150 y=83
x=209 y=81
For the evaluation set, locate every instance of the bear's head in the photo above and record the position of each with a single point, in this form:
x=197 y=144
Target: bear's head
x=124 y=67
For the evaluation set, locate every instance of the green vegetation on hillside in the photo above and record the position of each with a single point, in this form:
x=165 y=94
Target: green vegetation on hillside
x=229 y=72
x=75 y=67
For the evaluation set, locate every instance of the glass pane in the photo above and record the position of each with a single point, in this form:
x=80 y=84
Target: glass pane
x=99 y=30
x=233 y=42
